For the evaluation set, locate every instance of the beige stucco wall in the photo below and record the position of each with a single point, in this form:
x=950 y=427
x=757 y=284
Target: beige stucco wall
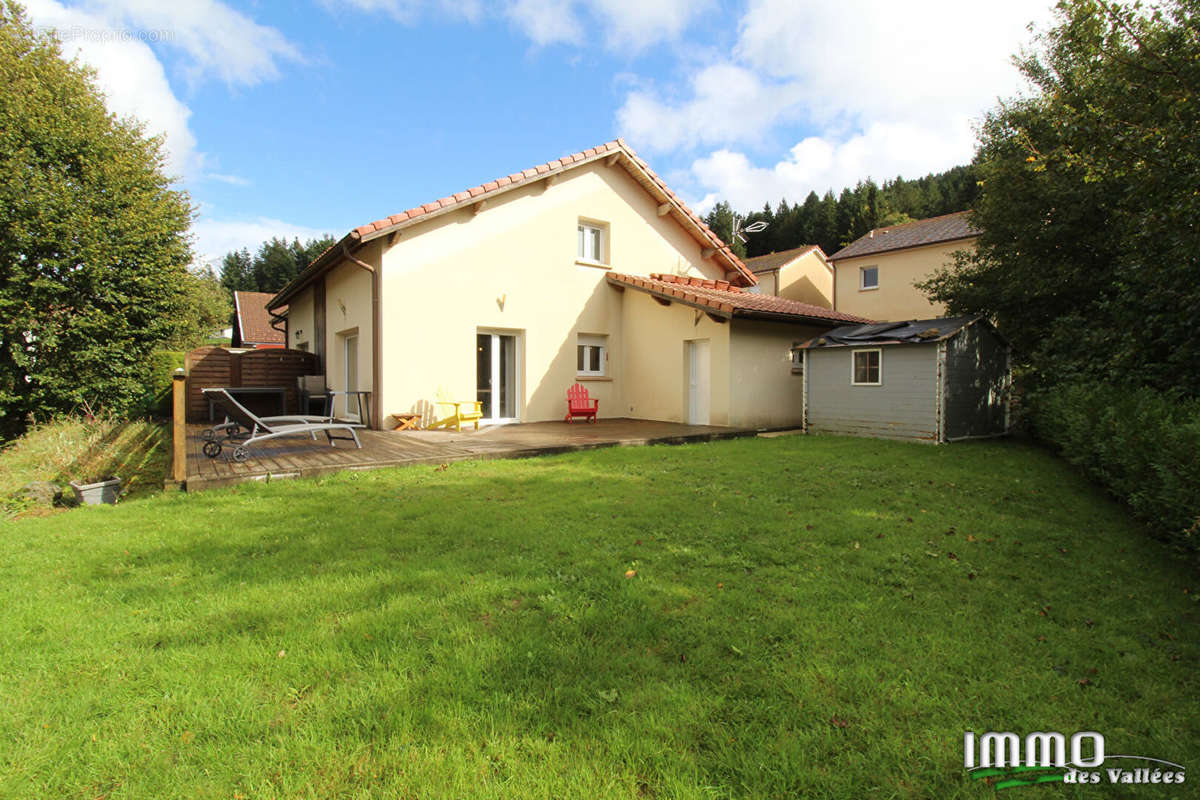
x=763 y=391
x=768 y=282
x=347 y=312
x=512 y=269
x=300 y=318
x=896 y=298
x=808 y=279
x=654 y=359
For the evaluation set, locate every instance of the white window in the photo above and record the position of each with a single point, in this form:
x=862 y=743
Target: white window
x=591 y=355
x=866 y=367
x=593 y=244
x=868 y=277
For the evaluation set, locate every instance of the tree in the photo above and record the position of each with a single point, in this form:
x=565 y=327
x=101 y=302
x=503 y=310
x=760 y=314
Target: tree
x=275 y=263
x=1090 y=250
x=720 y=220
x=206 y=311
x=93 y=238
x=237 y=271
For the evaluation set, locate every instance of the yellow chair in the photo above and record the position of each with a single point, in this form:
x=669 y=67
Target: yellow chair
x=464 y=411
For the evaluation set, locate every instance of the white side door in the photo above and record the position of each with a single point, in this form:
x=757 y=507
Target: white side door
x=699 y=374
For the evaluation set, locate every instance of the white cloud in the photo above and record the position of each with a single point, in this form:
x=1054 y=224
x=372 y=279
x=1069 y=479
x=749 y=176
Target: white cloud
x=892 y=60
x=728 y=103
x=410 y=11
x=232 y=180
x=626 y=26
x=546 y=21
x=216 y=237
x=114 y=36
x=637 y=24
x=884 y=89
x=216 y=39
x=129 y=74
x=817 y=163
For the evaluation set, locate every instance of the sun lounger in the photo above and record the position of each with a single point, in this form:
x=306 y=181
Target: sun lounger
x=259 y=429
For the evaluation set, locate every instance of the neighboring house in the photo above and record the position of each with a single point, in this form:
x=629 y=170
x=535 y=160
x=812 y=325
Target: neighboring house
x=254 y=326
x=875 y=273
x=934 y=380
x=802 y=274
x=585 y=269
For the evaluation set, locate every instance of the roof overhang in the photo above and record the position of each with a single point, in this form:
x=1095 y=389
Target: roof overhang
x=715 y=307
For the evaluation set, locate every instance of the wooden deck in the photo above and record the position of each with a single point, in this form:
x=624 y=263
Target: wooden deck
x=299 y=456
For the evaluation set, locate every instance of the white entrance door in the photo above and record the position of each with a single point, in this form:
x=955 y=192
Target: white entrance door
x=351 y=361
x=496 y=376
x=699 y=391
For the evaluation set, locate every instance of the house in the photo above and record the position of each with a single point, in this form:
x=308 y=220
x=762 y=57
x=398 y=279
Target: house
x=584 y=269
x=874 y=274
x=253 y=326
x=803 y=273
x=934 y=380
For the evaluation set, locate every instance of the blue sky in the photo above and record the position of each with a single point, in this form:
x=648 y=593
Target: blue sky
x=302 y=117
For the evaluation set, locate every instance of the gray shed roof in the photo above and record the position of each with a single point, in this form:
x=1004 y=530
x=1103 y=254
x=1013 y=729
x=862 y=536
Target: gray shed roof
x=912 y=332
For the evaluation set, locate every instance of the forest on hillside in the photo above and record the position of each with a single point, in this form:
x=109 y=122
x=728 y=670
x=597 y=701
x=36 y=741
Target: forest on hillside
x=833 y=222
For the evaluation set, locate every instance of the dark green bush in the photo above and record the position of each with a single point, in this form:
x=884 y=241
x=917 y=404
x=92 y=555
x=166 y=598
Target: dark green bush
x=157 y=399
x=1140 y=444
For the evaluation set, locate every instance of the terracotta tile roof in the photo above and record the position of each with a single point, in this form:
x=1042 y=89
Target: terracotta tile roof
x=945 y=228
x=772 y=261
x=722 y=299
x=253 y=319
x=618 y=149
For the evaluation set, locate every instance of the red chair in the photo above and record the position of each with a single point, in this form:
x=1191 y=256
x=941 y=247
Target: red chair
x=578 y=404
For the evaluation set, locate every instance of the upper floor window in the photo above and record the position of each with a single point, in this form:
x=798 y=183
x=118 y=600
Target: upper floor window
x=868 y=277
x=592 y=243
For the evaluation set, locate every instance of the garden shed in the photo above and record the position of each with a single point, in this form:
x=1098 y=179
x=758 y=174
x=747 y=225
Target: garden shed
x=933 y=380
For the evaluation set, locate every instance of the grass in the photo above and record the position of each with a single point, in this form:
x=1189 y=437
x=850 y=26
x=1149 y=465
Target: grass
x=810 y=617
x=71 y=449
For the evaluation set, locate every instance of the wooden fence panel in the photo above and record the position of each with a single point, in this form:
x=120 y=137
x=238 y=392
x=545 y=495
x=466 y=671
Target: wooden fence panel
x=215 y=366
x=207 y=367
x=278 y=368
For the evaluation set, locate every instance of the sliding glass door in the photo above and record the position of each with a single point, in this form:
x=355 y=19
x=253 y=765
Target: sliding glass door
x=496 y=376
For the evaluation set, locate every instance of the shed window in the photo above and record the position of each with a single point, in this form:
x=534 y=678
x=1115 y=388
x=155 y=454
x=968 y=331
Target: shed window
x=868 y=277
x=591 y=353
x=865 y=367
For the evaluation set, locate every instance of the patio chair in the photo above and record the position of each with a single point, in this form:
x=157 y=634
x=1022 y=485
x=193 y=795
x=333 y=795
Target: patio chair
x=312 y=389
x=464 y=411
x=260 y=429
x=580 y=405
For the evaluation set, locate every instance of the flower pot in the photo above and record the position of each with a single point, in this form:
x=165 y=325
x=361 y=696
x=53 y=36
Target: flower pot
x=92 y=494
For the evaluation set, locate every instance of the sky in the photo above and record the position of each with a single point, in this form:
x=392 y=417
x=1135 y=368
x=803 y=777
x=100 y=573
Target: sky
x=309 y=117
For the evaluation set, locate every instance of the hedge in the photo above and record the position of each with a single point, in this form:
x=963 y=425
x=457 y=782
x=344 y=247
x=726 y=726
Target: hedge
x=1141 y=444
x=157 y=399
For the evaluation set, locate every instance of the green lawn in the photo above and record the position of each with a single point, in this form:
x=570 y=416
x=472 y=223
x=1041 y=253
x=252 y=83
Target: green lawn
x=810 y=617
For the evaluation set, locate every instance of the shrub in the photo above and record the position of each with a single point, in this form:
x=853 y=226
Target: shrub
x=157 y=399
x=1140 y=444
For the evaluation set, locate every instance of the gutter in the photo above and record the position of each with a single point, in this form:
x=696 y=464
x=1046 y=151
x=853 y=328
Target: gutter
x=376 y=324
x=774 y=316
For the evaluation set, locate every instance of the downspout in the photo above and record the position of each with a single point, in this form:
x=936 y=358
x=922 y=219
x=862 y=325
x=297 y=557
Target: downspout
x=376 y=344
